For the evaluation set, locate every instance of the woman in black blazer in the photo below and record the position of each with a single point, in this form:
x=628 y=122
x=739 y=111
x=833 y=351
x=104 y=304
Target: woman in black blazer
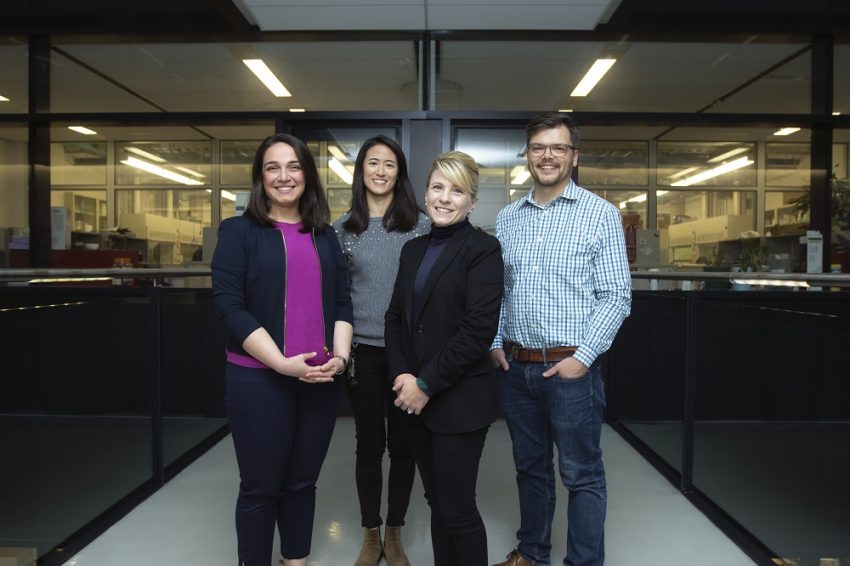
x=439 y=326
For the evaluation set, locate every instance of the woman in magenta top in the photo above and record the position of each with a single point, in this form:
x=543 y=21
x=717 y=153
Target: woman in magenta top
x=280 y=286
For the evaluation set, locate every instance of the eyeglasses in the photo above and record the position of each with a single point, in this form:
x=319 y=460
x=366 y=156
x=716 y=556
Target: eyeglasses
x=557 y=149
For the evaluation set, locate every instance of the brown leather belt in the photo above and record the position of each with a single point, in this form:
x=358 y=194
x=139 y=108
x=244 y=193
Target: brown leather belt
x=538 y=356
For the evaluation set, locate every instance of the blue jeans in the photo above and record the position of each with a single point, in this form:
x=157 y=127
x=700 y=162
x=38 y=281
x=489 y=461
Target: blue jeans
x=567 y=413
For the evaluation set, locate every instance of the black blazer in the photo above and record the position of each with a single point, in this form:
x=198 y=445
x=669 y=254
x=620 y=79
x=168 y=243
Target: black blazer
x=447 y=342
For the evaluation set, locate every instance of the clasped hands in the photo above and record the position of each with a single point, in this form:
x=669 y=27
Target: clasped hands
x=409 y=397
x=297 y=366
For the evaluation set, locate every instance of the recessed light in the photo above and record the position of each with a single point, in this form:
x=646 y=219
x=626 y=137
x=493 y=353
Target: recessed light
x=297 y=110
x=785 y=131
x=593 y=76
x=268 y=78
x=82 y=130
x=3 y=98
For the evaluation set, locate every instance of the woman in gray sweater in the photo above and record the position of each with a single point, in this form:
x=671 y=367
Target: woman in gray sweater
x=383 y=216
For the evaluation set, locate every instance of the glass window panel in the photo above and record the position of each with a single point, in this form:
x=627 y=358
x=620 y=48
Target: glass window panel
x=230 y=198
x=78 y=163
x=236 y=160
x=839 y=159
x=647 y=77
x=785 y=212
x=14 y=186
x=163 y=163
x=170 y=220
x=204 y=77
x=840 y=246
x=503 y=175
x=14 y=89
x=86 y=209
x=632 y=204
x=841 y=78
x=614 y=163
x=701 y=163
x=697 y=222
x=788 y=165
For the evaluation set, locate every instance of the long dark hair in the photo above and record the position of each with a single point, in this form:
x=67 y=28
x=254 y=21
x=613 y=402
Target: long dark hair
x=402 y=214
x=313 y=204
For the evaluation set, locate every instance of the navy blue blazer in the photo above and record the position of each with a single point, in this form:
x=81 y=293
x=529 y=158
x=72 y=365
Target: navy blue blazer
x=447 y=342
x=249 y=281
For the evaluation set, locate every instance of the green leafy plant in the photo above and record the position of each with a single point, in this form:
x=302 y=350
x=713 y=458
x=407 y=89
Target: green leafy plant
x=753 y=255
x=840 y=202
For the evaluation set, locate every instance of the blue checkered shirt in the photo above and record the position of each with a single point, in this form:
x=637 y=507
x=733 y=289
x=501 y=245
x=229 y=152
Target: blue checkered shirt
x=567 y=279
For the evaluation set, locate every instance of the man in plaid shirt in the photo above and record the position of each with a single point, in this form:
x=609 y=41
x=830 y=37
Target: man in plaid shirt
x=567 y=291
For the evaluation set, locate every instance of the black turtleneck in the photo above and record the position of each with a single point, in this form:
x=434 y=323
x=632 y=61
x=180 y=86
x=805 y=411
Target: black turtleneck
x=439 y=236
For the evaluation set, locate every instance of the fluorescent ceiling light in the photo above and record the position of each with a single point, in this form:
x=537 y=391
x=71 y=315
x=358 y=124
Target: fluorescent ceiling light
x=159 y=171
x=190 y=172
x=728 y=154
x=145 y=154
x=340 y=170
x=259 y=68
x=516 y=170
x=719 y=170
x=785 y=131
x=297 y=109
x=521 y=177
x=565 y=109
x=683 y=172
x=82 y=130
x=641 y=197
x=225 y=195
x=3 y=98
x=593 y=76
x=338 y=153
x=834 y=113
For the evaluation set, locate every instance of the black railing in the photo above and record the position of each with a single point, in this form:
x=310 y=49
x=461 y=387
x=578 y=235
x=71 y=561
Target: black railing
x=742 y=400
x=106 y=393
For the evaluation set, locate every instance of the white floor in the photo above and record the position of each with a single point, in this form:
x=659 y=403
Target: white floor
x=190 y=520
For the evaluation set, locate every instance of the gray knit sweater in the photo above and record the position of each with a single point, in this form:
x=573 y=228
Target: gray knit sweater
x=373 y=263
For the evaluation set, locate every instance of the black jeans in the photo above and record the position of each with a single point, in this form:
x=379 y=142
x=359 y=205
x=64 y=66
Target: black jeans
x=371 y=400
x=448 y=465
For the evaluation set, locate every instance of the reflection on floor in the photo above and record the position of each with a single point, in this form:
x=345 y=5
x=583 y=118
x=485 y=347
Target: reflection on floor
x=747 y=468
x=190 y=521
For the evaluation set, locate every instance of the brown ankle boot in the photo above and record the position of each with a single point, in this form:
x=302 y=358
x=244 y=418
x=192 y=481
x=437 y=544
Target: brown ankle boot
x=393 y=551
x=371 y=551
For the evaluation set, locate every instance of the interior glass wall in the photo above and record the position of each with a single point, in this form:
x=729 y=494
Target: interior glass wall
x=840 y=244
x=708 y=77
x=153 y=193
x=211 y=77
x=841 y=79
x=14 y=93
x=14 y=184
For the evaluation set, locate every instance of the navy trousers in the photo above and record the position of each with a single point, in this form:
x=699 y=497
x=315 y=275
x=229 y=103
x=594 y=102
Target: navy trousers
x=281 y=429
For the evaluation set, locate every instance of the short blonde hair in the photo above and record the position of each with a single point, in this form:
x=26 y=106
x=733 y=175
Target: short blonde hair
x=459 y=168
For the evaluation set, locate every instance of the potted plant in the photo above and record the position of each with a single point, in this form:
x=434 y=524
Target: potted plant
x=839 y=250
x=840 y=202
